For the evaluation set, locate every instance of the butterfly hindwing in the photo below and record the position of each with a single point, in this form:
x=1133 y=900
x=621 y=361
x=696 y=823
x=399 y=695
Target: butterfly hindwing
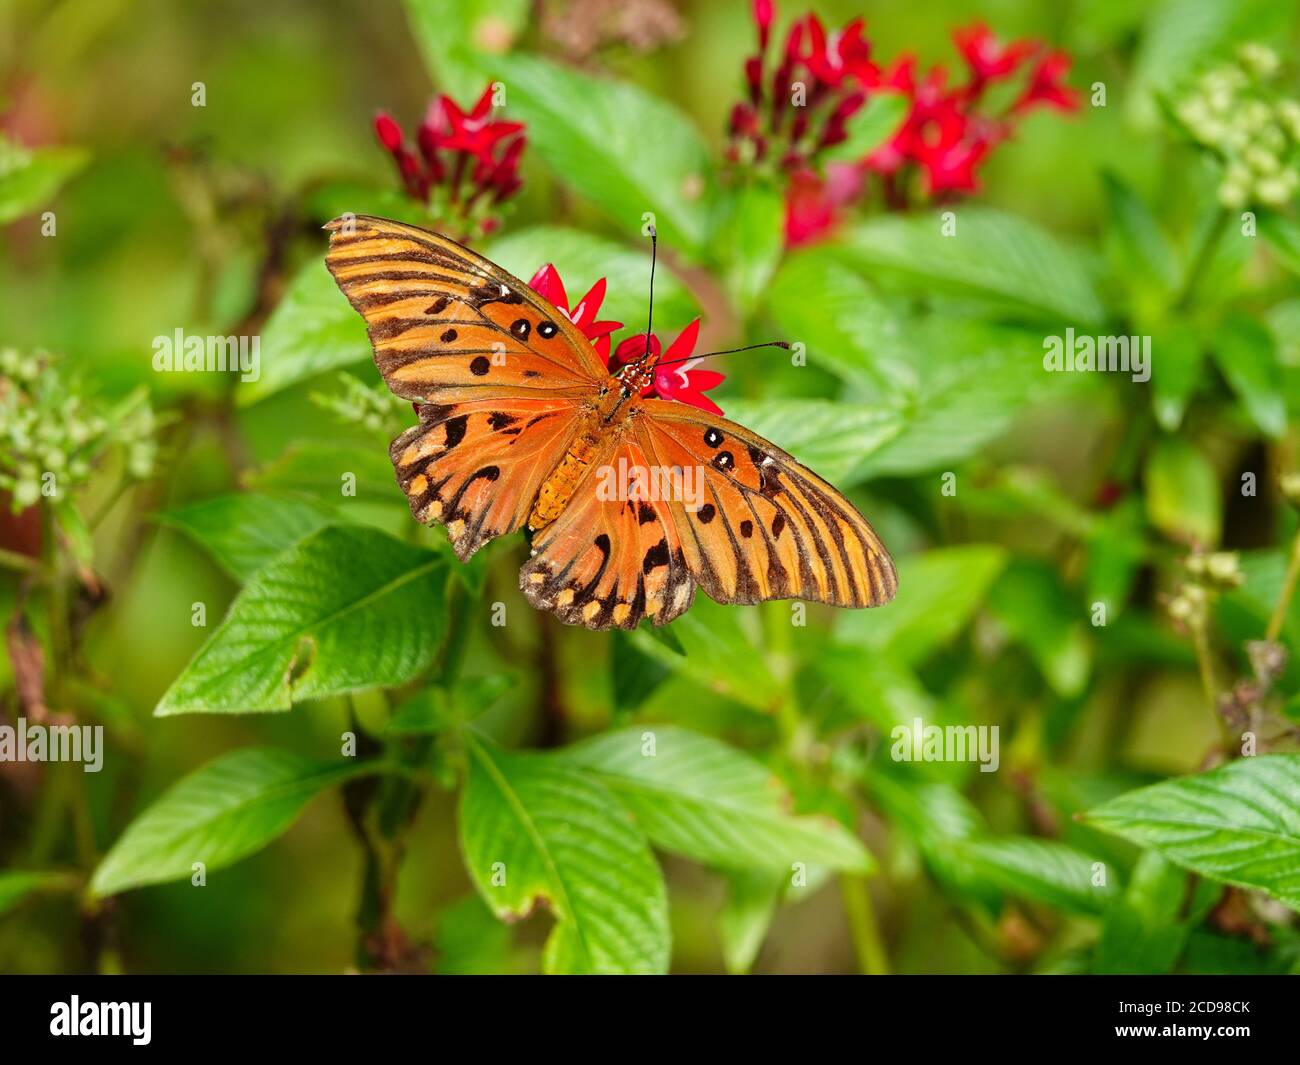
x=609 y=562
x=764 y=527
x=447 y=324
x=477 y=466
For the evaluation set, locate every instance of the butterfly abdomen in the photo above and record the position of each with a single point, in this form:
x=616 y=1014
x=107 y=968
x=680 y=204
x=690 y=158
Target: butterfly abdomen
x=557 y=489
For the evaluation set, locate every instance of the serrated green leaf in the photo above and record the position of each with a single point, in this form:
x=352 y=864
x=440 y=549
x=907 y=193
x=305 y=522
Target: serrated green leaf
x=30 y=177
x=582 y=259
x=535 y=830
x=311 y=330
x=1238 y=824
x=220 y=813
x=697 y=797
x=620 y=148
x=346 y=609
x=244 y=532
x=1182 y=493
x=992 y=256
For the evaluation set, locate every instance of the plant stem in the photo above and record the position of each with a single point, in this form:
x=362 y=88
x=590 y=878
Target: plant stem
x=872 y=957
x=1278 y=618
x=1201 y=643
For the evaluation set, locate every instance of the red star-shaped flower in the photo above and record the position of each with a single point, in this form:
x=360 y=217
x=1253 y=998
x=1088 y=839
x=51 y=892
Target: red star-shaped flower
x=548 y=284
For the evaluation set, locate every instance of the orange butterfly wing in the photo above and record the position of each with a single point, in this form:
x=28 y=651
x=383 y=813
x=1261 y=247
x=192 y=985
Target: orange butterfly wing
x=607 y=562
x=767 y=527
x=477 y=466
x=504 y=374
x=446 y=324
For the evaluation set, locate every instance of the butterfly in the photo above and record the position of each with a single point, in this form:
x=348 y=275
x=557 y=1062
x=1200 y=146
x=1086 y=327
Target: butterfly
x=521 y=422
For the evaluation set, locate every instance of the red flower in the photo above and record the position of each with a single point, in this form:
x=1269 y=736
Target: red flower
x=987 y=58
x=1045 y=85
x=674 y=379
x=467 y=165
x=946 y=137
x=831 y=60
x=547 y=284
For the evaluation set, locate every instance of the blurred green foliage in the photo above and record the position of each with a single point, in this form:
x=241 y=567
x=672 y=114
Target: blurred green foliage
x=304 y=692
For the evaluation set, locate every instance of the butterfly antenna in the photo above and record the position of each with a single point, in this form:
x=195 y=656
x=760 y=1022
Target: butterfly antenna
x=650 y=314
x=730 y=351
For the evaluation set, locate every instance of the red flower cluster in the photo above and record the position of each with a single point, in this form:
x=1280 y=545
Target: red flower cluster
x=466 y=165
x=947 y=133
x=803 y=102
x=679 y=381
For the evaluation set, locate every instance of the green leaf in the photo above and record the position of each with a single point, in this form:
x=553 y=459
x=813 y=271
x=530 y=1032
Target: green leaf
x=1040 y=614
x=720 y=653
x=938 y=594
x=697 y=797
x=624 y=150
x=244 y=532
x=313 y=329
x=992 y=256
x=346 y=609
x=220 y=813
x=1175 y=371
x=746 y=915
x=1138 y=248
x=749 y=234
x=317 y=469
x=454 y=35
x=833 y=439
x=1037 y=869
x=974 y=379
x=845 y=327
x=30 y=177
x=435 y=708
x=1142 y=933
x=633 y=675
x=874 y=687
x=1182 y=493
x=534 y=829
x=1282 y=232
x=1246 y=357
x=582 y=259
x=471 y=942
x=17 y=884
x=871 y=127
x=1238 y=824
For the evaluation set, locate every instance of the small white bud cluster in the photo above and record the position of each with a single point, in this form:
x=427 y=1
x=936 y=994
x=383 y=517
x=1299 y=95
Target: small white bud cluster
x=48 y=426
x=1238 y=112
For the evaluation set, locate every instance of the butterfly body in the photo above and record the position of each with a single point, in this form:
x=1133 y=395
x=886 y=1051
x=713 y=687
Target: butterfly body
x=631 y=502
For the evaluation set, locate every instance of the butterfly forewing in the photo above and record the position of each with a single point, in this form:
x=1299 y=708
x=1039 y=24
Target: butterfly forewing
x=765 y=526
x=447 y=324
